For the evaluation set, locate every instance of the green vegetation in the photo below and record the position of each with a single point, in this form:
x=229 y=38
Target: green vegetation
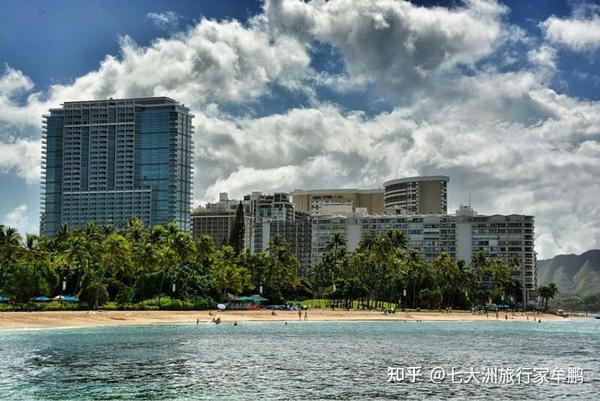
x=547 y=292
x=164 y=268
x=589 y=303
x=236 y=236
x=382 y=271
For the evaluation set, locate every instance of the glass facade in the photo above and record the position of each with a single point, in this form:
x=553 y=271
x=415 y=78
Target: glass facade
x=107 y=161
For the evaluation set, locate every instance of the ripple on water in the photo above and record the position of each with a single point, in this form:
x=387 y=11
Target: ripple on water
x=338 y=361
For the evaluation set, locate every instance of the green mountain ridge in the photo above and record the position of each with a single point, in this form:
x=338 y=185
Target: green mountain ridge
x=574 y=275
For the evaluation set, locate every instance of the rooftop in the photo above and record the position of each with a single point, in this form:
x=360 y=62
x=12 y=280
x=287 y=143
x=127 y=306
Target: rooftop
x=418 y=179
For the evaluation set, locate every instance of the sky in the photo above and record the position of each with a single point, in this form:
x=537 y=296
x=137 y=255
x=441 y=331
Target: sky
x=503 y=97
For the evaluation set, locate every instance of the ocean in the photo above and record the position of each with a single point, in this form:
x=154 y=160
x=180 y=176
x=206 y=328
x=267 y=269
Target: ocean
x=305 y=361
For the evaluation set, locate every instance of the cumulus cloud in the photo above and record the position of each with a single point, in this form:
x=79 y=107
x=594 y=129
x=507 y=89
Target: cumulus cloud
x=166 y=20
x=16 y=217
x=395 y=44
x=579 y=33
x=21 y=157
x=20 y=219
x=223 y=62
x=15 y=85
x=518 y=145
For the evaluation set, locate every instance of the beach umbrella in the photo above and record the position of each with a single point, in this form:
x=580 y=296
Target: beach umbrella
x=71 y=299
x=4 y=299
x=41 y=299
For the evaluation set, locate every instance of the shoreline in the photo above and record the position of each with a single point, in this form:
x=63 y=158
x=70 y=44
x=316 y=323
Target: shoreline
x=89 y=319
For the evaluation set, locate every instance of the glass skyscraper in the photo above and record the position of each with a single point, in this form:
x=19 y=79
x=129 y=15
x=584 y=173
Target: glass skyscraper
x=110 y=160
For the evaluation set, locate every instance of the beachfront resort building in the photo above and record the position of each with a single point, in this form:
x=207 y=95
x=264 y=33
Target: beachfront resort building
x=296 y=231
x=274 y=214
x=110 y=160
x=461 y=235
x=216 y=220
x=417 y=195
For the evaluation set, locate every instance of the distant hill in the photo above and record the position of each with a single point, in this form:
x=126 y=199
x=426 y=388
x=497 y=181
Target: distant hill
x=572 y=274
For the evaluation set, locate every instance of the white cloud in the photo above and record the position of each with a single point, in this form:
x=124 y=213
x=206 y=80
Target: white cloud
x=579 y=33
x=20 y=219
x=21 y=157
x=16 y=217
x=516 y=144
x=166 y=20
x=544 y=58
x=216 y=61
x=395 y=44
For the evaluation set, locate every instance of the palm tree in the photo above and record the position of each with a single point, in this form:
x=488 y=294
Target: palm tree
x=11 y=243
x=78 y=255
x=553 y=291
x=449 y=277
x=114 y=258
x=227 y=275
x=281 y=268
x=547 y=292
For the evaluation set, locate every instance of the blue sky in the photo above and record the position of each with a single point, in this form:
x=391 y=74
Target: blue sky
x=284 y=100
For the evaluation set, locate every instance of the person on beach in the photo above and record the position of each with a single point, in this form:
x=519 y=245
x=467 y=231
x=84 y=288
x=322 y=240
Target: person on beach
x=496 y=315
x=506 y=317
x=197 y=321
x=299 y=315
x=235 y=323
x=306 y=315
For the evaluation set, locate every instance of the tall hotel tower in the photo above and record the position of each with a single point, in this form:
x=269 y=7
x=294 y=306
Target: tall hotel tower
x=110 y=160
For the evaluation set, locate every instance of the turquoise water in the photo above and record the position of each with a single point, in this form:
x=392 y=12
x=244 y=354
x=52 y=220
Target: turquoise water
x=301 y=361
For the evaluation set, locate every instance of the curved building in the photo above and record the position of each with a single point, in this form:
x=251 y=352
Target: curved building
x=417 y=195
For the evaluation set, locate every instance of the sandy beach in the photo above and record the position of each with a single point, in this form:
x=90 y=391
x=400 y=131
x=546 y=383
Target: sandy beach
x=30 y=320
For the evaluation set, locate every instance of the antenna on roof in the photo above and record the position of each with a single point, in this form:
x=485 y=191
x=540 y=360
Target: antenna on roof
x=469 y=198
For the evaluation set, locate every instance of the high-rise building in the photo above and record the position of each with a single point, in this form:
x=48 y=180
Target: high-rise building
x=274 y=214
x=216 y=220
x=275 y=206
x=417 y=195
x=296 y=232
x=333 y=201
x=110 y=160
x=462 y=235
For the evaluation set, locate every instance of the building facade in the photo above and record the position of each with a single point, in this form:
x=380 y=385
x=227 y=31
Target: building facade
x=216 y=220
x=274 y=214
x=417 y=195
x=334 y=201
x=110 y=160
x=297 y=233
x=462 y=236
x=275 y=206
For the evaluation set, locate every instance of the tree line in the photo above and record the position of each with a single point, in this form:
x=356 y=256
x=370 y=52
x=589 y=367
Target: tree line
x=135 y=263
x=384 y=269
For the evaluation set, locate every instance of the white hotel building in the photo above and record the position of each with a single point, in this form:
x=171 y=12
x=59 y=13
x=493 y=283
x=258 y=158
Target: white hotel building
x=461 y=235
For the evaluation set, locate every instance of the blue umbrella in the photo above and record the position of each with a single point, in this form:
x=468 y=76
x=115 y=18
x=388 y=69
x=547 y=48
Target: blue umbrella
x=70 y=298
x=41 y=299
x=4 y=299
